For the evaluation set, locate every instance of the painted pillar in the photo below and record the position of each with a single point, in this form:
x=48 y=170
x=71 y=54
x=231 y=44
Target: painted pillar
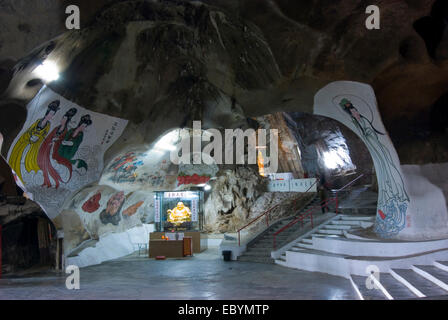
x=354 y=104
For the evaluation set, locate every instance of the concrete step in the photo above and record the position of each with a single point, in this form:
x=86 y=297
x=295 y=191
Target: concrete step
x=346 y=222
x=424 y=286
x=244 y=258
x=303 y=246
x=325 y=231
x=257 y=253
x=260 y=249
x=357 y=218
x=337 y=227
x=395 y=288
x=308 y=241
x=367 y=294
x=433 y=274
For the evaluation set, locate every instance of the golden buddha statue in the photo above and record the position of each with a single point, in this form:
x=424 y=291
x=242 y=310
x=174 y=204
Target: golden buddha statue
x=179 y=214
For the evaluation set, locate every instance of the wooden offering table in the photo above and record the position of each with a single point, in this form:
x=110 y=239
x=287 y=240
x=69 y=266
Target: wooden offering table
x=171 y=248
x=199 y=241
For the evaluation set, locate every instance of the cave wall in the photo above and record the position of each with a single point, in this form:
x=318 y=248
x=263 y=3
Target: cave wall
x=162 y=65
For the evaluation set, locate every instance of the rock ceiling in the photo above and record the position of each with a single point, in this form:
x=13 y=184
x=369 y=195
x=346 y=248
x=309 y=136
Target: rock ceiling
x=266 y=55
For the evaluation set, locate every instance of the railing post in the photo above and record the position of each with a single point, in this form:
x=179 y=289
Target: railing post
x=1 y=251
x=312 y=225
x=239 y=239
x=337 y=204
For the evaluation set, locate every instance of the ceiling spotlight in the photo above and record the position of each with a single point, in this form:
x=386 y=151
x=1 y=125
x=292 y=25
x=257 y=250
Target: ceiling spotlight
x=47 y=71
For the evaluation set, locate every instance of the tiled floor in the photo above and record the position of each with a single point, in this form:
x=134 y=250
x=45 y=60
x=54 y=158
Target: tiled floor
x=206 y=276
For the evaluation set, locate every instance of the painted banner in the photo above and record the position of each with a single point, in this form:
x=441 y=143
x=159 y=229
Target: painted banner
x=60 y=149
x=303 y=185
x=156 y=209
x=194 y=210
x=294 y=185
x=354 y=104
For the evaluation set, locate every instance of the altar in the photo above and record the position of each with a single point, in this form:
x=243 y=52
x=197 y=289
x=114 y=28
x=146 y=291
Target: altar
x=179 y=221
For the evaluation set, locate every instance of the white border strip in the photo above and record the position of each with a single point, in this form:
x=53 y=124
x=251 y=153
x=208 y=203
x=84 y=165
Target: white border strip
x=381 y=287
x=441 y=266
x=356 y=289
x=431 y=278
x=414 y=290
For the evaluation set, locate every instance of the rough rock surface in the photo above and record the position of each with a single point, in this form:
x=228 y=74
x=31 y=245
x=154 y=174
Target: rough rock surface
x=234 y=192
x=313 y=43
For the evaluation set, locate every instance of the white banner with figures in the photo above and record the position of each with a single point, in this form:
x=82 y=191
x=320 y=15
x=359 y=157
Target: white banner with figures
x=60 y=148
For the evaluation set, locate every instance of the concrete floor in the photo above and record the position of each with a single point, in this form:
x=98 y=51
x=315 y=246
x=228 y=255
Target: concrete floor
x=205 y=276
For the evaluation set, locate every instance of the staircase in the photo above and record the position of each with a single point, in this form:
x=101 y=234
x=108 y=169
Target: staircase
x=403 y=269
x=359 y=200
x=418 y=282
x=259 y=249
x=334 y=228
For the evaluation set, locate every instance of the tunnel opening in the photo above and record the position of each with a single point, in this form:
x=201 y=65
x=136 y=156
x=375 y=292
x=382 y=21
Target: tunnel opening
x=431 y=28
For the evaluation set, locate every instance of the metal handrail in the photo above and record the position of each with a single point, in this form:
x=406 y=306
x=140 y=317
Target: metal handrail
x=270 y=210
x=349 y=184
x=309 y=213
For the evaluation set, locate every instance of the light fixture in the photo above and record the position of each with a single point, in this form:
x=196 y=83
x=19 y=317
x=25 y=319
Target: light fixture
x=47 y=71
x=207 y=187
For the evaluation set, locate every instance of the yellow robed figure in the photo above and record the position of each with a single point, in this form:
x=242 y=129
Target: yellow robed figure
x=179 y=214
x=33 y=137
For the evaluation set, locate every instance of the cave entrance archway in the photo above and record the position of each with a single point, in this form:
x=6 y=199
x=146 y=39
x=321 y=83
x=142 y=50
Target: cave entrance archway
x=354 y=104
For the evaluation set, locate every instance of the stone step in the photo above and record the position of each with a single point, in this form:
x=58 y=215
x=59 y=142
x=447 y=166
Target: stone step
x=423 y=285
x=433 y=274
x=366 y=293
x=308 y=241
x=395 y=288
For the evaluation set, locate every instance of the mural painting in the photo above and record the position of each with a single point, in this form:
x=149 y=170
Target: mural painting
x=136 y=170
x=354 y=105
x=111 y=214
x=196 y=174
x=129 y=212
x=60 y=149
x=93 y=204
